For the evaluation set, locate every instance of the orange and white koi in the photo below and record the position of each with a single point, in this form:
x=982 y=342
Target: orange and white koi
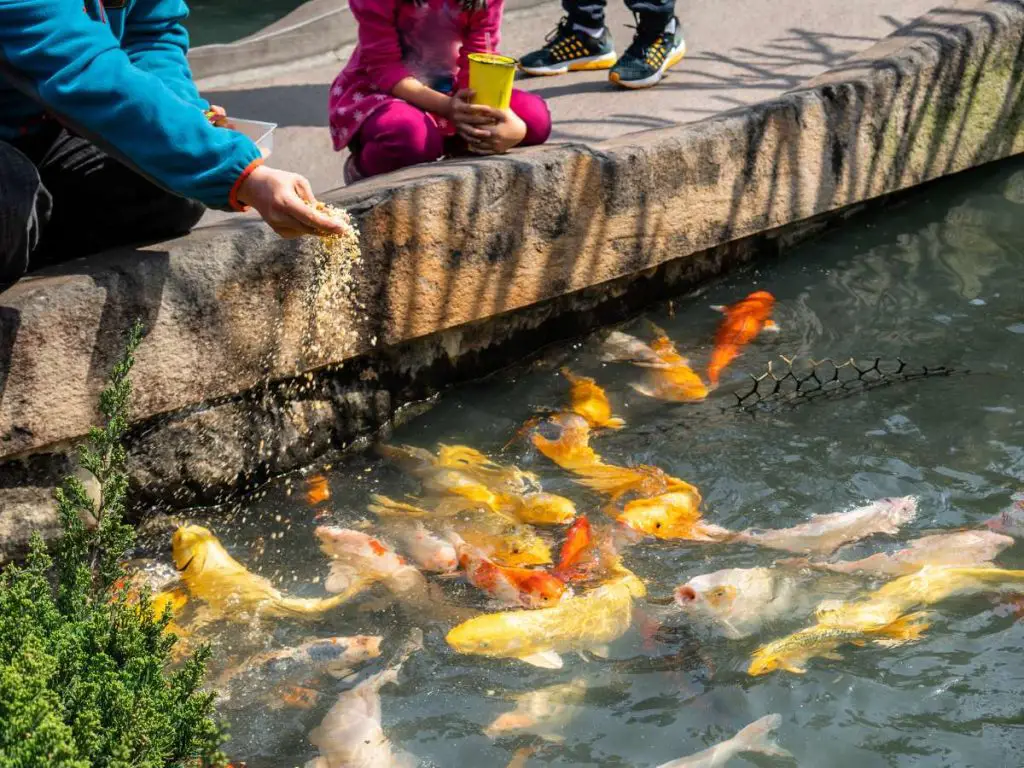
x=525 y=587
x=670 y=376
x=358 y=559
x=743 y=321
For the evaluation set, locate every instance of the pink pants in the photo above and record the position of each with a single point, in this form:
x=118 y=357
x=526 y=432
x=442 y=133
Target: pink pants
x=399 y=134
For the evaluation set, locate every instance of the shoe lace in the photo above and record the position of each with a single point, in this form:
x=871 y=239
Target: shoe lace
x=648 y=31
x=563 y=29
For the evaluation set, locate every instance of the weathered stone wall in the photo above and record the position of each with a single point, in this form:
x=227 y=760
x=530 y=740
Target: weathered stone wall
x=255 y=363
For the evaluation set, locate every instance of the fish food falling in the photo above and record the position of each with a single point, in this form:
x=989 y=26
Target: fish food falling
x=743 y=322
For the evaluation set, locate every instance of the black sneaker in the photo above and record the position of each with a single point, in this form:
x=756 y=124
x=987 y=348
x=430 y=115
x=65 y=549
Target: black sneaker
x=568 y=49
x=652 y=53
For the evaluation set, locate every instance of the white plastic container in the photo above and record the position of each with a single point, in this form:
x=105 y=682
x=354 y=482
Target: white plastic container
x=260 y=132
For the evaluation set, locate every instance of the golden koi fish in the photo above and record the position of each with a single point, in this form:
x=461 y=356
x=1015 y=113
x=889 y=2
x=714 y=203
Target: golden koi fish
x=459 y=466
x=674 y=515
x=589 y=400
x=213 y=576
x=587 y=622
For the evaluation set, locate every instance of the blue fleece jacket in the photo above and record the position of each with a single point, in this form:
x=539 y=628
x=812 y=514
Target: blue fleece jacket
x=115 y=72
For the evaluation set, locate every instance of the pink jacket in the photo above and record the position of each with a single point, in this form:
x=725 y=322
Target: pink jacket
x=425 y=39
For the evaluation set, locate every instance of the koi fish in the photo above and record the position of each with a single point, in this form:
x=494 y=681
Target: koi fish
x=739 y=602
x=793 y=652
x=1011 y=520
x=334 y=656
x=578 y=623
x=571 y=451
x=579 y=538
x=428 y=550
x=504 y=540
x=358 y=560
x=512 y=586
x=883 y=616
x=670 y=376
x=743 y=322
x=590 y=401
x=756 y=737
x=673 y=515
x=459 y=467
x=317 y=490
x=961 y=548
x=351 y=734
x=543 y=712
x=823 y=534
x=213 y=576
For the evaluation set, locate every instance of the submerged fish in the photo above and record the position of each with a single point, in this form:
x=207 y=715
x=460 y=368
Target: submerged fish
x=459 y=467
x=1011 y=520
x=544 y=712
x=929 y=585
x=670 y=376
x=358 y=560
x=743 y=321
x=823 y=534
x=216 y=578
x=884 y=616
x=962 y=548
x=739 y=602
x=317 y=490
x=673 y=515
x=590 y=401
x=756 y=737
x=571 y=451
x=792 y=652
x=351 y=734
x=504 y=539
x=525 y=587
x=586 y=622
x=334 y=656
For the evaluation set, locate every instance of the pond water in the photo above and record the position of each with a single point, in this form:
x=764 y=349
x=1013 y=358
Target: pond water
x=937 y=281
x=219 y=21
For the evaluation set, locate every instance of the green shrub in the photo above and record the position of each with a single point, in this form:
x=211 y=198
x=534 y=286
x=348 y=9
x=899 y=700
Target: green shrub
x=84 y=677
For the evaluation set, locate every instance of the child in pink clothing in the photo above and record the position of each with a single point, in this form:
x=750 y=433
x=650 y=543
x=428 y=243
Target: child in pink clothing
x=402 y=97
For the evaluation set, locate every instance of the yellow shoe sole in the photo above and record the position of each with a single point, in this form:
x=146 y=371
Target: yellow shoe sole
x=604 y=61
x=654 y=79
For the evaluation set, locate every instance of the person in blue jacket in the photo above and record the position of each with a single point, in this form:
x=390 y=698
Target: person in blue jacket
x=105 y=140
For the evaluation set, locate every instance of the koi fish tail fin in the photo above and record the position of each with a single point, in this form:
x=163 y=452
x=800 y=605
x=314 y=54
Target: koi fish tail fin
x=718 y=308
x=905 y=629
x=770 y=326
x=571 y=377
x=314 y=606
x=756 y=737
x=615 y=423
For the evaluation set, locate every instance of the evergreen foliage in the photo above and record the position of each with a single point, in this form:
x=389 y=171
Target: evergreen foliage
x=84 y=677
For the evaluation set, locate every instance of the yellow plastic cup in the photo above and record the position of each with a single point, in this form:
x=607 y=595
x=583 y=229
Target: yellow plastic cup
x=491 y=76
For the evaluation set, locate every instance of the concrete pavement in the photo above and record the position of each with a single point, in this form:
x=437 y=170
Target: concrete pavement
x=740 y=52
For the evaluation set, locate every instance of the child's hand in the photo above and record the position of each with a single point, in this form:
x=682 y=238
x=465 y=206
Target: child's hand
x=507 y=131
x=471 y=120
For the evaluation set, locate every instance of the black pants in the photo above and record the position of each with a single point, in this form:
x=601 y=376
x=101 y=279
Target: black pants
x=590 y=13
x=61 y=198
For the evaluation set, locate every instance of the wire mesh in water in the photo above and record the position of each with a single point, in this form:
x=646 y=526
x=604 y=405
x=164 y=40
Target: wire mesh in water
x=789 y=382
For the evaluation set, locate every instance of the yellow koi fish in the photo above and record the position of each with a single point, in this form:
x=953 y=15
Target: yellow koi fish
x=586 y=622
x=673 y=515
x=589 y=400
x=213 y=576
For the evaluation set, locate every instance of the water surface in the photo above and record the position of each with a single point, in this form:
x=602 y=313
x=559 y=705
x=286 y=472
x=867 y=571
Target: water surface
x=937 y=281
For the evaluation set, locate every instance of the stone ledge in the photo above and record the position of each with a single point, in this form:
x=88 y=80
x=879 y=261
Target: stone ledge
x=464 y=260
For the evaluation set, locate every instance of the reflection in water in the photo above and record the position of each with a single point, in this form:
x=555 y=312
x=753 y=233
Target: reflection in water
x=937 y=282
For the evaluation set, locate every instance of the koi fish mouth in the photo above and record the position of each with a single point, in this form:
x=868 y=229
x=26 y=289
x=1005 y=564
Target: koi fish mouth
x=183 y=568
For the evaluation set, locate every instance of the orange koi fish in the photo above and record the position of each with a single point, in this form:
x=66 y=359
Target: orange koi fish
x=590 y=401
x=743 y=322
x=571 y=449
x=317 y=490
x=525 y=587
x=578 y=540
